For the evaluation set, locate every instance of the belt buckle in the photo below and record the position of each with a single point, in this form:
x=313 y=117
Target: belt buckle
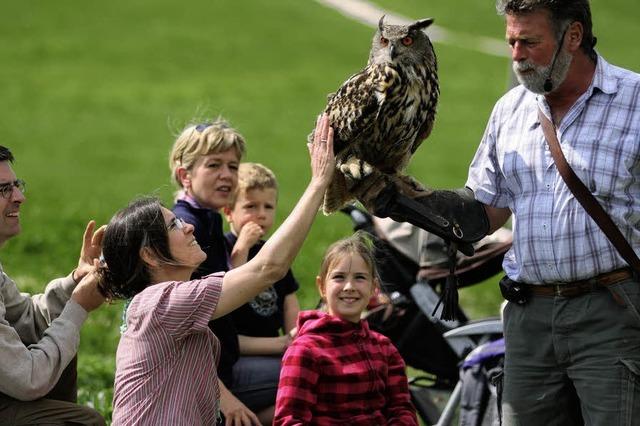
x=558 y=290
x=567 y=289
x=575 y=288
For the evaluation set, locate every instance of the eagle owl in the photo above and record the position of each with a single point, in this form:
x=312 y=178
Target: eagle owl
x=381 y=114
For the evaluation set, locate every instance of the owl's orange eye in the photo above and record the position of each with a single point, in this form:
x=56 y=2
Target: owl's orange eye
x=384 y=41
x=407 y=41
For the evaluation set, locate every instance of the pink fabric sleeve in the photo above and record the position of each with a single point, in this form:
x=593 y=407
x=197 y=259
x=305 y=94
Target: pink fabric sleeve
x=185 y=307
x=296 y=389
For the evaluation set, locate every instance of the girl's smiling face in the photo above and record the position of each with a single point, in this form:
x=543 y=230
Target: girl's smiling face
x=347 y=287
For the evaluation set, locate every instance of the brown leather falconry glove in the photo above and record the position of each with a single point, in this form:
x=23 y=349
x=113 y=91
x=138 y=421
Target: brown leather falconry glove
x=453 y=215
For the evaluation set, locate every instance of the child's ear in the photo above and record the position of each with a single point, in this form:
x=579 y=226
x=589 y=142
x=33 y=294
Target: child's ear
x=376 y=286
x=184 y=176
x=376 y=291
x=320 y=286
x=227 y=213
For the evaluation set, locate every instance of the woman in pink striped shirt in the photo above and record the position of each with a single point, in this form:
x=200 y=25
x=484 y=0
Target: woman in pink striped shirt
x=164 y=373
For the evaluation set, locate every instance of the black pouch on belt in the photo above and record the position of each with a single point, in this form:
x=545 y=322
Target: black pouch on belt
x=513 y=291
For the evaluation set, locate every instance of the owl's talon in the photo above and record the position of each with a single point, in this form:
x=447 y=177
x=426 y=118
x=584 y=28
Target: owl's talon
x=344 y=168
x=356 y=169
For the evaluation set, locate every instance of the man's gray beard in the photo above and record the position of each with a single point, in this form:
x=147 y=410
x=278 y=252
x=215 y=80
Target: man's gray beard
x=534 y=80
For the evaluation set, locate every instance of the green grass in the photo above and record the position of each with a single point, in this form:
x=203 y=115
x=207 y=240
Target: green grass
x=93 y=92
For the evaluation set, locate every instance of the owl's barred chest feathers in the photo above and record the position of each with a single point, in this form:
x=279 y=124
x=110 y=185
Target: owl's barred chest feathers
x=404 y=101
x=381 y=114
x=405 y=108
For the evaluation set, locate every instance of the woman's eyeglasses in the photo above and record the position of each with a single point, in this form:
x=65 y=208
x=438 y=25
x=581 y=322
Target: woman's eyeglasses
x=176 y=223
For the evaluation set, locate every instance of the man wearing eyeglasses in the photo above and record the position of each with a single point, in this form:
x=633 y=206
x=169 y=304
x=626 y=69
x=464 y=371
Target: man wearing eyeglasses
x=39 y=334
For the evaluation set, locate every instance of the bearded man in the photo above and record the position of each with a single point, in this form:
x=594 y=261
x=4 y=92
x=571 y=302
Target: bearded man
x=572 y=345
x=579 y=331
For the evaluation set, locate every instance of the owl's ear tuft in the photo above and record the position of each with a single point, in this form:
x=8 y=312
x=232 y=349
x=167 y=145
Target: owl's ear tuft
x=421 y=24
x=381 y=23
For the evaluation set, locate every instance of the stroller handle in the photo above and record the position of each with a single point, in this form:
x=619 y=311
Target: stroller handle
x=361 y=218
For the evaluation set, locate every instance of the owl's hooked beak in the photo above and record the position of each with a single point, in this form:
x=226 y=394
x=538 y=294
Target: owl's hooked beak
x=392 y=52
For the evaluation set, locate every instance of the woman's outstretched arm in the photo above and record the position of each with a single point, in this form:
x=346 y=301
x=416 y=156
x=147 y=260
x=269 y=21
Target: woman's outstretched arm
x=274 y=259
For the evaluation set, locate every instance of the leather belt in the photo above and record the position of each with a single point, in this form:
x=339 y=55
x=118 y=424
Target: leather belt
x=577 y=288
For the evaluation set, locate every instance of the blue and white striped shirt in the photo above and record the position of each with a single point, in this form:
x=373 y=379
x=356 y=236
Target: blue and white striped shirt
x=555 y=240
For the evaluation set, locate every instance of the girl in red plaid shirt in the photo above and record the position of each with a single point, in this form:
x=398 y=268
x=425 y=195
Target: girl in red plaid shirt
x=337 y=371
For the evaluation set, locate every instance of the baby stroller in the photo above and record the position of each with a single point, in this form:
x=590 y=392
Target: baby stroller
x=413 y=268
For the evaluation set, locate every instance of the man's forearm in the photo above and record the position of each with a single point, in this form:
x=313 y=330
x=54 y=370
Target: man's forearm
x=497 y=217
x=30 y=372
x=31 y=315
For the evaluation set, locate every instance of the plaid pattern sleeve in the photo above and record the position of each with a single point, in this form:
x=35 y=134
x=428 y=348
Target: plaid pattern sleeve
x=399 y=409
x=341 y=373
x=297 y=387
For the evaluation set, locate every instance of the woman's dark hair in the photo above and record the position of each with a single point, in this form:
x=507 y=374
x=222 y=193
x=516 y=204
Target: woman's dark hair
x=137 y=226
x=5 y=154
x=563 y=13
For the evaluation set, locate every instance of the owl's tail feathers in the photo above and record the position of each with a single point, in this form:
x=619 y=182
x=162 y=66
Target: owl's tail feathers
x=336 y=196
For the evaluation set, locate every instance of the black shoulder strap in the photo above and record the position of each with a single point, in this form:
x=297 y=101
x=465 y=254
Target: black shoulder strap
x=584 y=196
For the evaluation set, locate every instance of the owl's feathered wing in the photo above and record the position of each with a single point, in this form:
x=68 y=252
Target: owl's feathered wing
x=355 y=106
x=379 y=116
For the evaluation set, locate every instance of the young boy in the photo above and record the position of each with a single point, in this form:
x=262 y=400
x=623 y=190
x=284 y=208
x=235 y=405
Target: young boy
x=259 y=323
